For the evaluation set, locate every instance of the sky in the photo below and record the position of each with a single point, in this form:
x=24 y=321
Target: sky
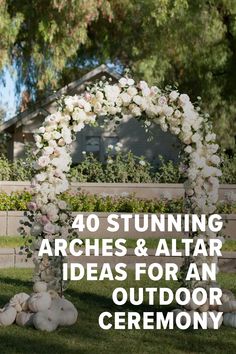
x=8 y=99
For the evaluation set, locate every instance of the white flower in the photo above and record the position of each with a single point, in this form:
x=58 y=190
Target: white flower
x=215 y=159
x=183 y=99
x=79 y=114
x=78 y=127
x=126 y=98
x=130 y=82
x=99 y=96
x=62 y=204
x=40 y=177
x=173 y=95
x=49 y=228
x=47 y=136
x=210 y=137
x=48 y=150
x=111 y=92
x=136 y=111
x=43 y=161
x=41 y=130
x=155 y=90
x=188 y=149
x=142 y=163
x=167 y=110
x=143 y=85
x=55 y=135
x=177 y=114
x=162 y=100
x=132 y=91
x=138 y=100
x=196 y=137
x=146 y=91
x=123 y=82
x=66 y=135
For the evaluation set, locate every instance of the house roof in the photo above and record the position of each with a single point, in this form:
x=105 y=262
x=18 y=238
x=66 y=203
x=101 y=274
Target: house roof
x=38 y=108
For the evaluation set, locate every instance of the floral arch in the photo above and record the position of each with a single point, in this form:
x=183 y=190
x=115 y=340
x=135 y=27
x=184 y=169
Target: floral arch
x=48 y=215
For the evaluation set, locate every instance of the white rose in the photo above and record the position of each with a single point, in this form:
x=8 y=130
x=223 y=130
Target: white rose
x=62 y=204
x=43 y=161
x=66 y=135
x=126 y=98
x=79 y=114
x=56 y=135
x=138 y=99
x=143 y=85
x=142 y=163
x=123 y=82
x=132 y=91
x=210 y=137
x=41 y=130
x=155 y=90
x=99 y=96
x=177 y=114
x=162 y=101
x=47 y=136
x=183 y=99
x=173 y=95
x=112 y=92
x=188 y=149
x=48 y=150
x=40 y=177
x=130 y=82
x=78 y=127
x=146 y=91
x=167 y=110
x=196 y=137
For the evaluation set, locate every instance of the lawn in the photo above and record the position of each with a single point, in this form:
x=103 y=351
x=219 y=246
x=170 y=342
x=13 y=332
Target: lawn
x=92 y=298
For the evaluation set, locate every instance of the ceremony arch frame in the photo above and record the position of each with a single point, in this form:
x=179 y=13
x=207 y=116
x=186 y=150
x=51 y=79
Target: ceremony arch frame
x=48 y=215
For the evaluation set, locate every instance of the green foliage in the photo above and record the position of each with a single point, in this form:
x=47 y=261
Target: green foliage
x=168 y=172
x=123 y=168
x=184 y=42
x=14 y=201
x=105 y=203
x=228 y=167
x=19 y=170
x=39 y=37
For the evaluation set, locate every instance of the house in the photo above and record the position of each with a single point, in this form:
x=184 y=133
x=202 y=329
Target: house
x=130 y=132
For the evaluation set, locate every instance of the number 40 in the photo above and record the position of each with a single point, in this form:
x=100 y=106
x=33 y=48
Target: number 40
x=91 y=223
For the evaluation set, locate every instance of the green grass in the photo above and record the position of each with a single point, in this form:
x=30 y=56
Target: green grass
x=92 y=298
x=17 y=241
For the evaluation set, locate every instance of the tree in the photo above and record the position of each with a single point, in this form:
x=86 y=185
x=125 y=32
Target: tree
x=191 y=43
x=39 y=36
x=184 y=42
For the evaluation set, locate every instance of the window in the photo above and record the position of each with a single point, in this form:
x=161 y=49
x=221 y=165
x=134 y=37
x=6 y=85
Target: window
x=93 y=145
